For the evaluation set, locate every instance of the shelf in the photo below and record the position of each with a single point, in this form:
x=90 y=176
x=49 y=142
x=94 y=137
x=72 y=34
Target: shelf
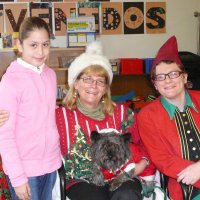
x=56 y=53
x=62 y=85
x=131 y=74
x=60 y=68
x=67 y=49
x=139 y=83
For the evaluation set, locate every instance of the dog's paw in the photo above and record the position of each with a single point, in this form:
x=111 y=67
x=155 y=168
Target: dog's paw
x=114 y=185
x=98 y=181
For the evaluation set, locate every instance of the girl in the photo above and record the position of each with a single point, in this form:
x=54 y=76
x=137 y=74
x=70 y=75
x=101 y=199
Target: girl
x=29 y=142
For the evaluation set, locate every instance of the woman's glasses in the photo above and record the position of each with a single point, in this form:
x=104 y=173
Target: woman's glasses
x=90 y=80
x=171 y=75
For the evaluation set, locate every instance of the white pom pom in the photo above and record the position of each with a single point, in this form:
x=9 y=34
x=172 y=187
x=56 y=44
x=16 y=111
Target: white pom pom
x=94 y=48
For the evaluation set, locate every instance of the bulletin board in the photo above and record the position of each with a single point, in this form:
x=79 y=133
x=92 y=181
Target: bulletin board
x=80 y=31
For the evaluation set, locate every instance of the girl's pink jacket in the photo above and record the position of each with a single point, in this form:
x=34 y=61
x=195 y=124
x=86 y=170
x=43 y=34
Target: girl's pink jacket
x=29 y=141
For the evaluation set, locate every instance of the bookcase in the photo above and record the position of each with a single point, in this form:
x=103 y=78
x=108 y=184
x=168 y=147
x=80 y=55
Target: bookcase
x=59 y=61
x=122 y=84
x=6 y=56
x=139 y=83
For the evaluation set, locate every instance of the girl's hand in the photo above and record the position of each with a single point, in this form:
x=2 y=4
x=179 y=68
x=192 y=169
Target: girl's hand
x=190 y=175
x=4 y=116
x=23 y=191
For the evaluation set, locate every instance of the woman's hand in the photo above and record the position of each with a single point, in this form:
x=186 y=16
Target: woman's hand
x=23 y=191
x=190 y=175
x=4 y=116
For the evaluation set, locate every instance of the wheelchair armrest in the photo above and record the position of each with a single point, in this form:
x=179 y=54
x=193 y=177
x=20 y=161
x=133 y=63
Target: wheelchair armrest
x=62 y=176
x=164 y=184
x=184 y=188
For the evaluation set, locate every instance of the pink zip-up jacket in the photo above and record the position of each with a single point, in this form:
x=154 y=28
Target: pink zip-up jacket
x=29 y=141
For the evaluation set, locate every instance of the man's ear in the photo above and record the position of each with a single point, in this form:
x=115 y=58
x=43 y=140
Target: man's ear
x=19 y=45
x=185 y=75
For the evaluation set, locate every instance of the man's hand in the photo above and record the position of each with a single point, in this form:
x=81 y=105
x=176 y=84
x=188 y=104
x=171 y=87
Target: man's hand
x=190 y=175
x=23 y=191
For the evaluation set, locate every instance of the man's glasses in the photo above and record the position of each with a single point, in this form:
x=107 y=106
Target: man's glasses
x=171 y=75
x=89 y=80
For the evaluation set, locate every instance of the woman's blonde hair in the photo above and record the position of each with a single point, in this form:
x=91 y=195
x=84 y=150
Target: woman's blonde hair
x=96 y=70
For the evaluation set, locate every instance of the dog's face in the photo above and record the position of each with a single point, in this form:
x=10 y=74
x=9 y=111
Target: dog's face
x=110 y=150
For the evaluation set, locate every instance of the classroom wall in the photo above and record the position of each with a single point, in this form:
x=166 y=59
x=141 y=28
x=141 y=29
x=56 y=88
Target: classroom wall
x=180 y=21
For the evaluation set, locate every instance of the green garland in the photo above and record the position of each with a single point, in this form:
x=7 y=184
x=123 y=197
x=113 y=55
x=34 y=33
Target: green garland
x=129 y=120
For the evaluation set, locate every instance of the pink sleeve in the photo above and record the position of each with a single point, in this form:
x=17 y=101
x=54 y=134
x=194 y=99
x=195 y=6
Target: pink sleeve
x=8 y=149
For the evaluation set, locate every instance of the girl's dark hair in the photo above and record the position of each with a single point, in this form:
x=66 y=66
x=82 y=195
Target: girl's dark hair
x=29 y=25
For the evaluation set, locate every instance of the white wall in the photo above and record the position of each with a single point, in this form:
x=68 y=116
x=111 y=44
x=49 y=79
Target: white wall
x=180 y=21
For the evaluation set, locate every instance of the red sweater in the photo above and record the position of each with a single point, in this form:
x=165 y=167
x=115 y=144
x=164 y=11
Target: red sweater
x=67 y=120
x=162 y=142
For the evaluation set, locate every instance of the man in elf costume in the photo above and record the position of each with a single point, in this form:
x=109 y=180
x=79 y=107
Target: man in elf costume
x=170 y=125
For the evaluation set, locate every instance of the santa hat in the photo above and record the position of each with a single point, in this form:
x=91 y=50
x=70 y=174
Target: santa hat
x=92 y=56
x=169 y=51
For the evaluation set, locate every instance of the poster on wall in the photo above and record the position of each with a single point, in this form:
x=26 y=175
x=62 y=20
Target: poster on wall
x=133 y=17
x=9 y=40
x=61 y=12
x=1 y=18
x=42 y=10
x=80 y=31
x=80 y=24
x=155 y=17
x=14 y=15
x=80 y=39
x=89 y=9
x=111 y=18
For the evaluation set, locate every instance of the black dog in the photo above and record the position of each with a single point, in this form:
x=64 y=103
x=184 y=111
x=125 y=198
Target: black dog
x=110 y=154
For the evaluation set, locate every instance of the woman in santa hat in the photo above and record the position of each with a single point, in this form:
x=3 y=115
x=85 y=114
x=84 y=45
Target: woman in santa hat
x=170 y=125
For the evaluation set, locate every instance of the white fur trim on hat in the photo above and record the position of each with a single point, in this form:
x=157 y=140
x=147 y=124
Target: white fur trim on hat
x=92 y=56
x=109 y=130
